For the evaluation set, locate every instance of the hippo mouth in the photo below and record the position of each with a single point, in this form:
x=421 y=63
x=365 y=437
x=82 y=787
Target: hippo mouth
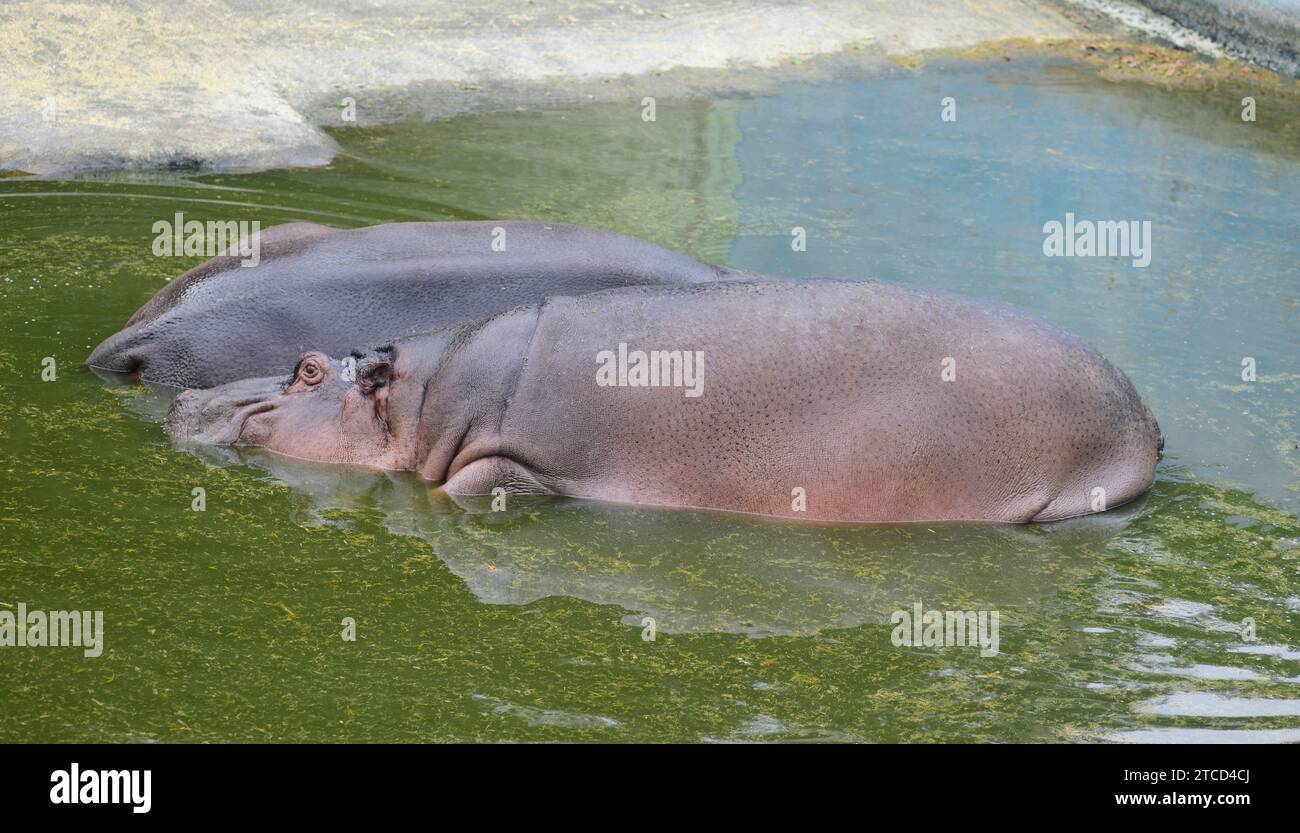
x=219 y=416
x=113 y=354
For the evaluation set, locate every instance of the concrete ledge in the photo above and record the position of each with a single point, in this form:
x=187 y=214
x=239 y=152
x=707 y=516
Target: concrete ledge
x=240 y=84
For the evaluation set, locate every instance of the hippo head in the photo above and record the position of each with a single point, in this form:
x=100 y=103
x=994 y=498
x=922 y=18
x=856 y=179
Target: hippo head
x=193 y=347
x=327 y=410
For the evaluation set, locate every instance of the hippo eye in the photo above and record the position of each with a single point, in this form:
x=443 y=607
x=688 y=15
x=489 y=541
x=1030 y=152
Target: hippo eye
x=311 y=372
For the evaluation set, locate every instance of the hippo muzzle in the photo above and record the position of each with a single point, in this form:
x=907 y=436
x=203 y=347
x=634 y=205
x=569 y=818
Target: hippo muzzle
x=327 y=410
x=219 y=416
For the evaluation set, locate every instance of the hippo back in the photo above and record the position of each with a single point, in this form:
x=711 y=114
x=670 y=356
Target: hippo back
x=335 y=290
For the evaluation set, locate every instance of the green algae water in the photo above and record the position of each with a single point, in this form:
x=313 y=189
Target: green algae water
x=1174 y=618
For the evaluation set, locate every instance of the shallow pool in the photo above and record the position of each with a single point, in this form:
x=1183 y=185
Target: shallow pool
x=1177 y=617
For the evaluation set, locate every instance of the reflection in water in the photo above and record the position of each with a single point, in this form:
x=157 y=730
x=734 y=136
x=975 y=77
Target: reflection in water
x=701 y=572
x=1206 y=704
x=1182 y=735
x=888 y=190
x=669 y=182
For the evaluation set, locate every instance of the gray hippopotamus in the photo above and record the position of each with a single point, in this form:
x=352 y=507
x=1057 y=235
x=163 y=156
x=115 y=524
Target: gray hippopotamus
x=826 y=400
x=334 y=289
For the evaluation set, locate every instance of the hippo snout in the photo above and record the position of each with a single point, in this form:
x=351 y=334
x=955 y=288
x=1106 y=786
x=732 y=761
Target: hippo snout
x=217 y=416
x=117 y=356
x=180 y=418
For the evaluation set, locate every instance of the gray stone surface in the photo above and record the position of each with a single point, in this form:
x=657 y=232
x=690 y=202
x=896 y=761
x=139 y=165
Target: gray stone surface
x=245 y=84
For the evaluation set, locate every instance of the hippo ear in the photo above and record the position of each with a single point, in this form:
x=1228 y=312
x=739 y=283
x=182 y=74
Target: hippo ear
x=375 y=372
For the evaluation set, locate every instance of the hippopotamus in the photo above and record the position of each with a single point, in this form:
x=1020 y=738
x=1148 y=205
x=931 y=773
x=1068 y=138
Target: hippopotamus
x=823 y=400
x=334 y=289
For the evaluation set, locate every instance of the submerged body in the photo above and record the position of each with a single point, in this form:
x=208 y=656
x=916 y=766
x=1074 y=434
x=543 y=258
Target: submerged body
x=321 y=288
x=833 y=401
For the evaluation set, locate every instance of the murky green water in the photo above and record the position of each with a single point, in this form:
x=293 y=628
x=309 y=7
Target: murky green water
x=225 y=624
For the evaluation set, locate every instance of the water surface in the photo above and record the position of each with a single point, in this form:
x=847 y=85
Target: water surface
x=527 y=624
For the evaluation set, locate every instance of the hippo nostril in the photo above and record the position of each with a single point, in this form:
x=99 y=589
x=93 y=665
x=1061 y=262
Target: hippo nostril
x=259 y=407
x=251 y=400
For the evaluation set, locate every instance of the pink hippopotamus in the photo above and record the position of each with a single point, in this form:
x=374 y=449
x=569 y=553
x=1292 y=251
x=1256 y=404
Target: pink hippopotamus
x=835 y=401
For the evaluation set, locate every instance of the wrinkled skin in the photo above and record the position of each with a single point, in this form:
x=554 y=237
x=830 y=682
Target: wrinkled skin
x=316 y=287
x=835 y=388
